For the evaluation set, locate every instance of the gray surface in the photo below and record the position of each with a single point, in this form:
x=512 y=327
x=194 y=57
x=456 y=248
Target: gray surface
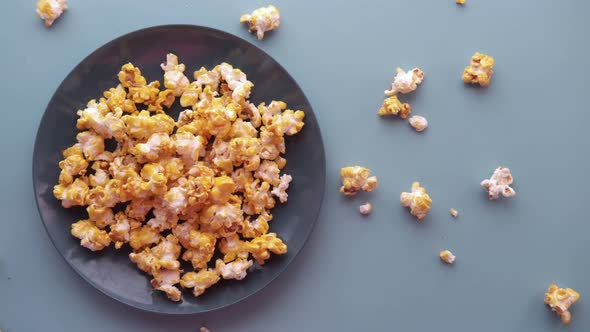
x=376 y=274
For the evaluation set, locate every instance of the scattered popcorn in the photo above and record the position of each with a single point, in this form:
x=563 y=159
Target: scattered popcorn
x=366 y=208
x=447 y=256
x=454 y=213
x=208 y=180
x=418 y=201
x=480 y=70
x=418 y=122
x=405 y=82
x=262 y=20
x=560 y=300
x=51 y=10
x=356 y=178
x=392 y=106
x=499 y=183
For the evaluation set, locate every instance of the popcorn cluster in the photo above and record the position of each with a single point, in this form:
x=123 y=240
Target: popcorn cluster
x=179 y=190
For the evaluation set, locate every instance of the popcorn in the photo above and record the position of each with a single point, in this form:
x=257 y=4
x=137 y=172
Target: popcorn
x=262 y=20
x=356 y=178
x=90 y=236
x=234 y=270
x=392 y=106
x=366 y=209
x=418 y=201
x=460 y=2
x=499 y=183
x=454 y=213
x=200 y=281
x=174 y=78
x=208 y=180
x=480 y=70
x=447 y=256
x=261 y=247
x=280 y=191
x=418 y=122
x=405 y=82
x=560 y=300
x=51 y=10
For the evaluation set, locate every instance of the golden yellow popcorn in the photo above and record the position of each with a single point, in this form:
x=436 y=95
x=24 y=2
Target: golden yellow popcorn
x=480 y=70
x=460 y=2
x=560 y=300
x=182 y=189
x=405 y=82
x=418 y=122
x=366 y=209
x=51 y=10
x=447 y=256
x=90 y=236
x=262 y=20
x=356 y=178
x=454 y=213
x=417 y=200
x=392 y=106
x=200 y=281
x=499 y=183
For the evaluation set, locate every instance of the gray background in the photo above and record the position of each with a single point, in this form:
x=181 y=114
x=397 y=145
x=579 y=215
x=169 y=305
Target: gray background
x=378 y=273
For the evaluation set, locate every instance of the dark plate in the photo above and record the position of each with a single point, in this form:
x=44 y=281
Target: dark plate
x=110 y=271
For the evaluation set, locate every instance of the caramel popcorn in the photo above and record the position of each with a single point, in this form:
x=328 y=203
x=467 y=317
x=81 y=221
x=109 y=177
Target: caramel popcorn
x=366 y=209
x=460 y=2
x=51 y=10
x=392 y=106
x=560 y=300
x=417 y=200
x=418 y=122
x=405 y=82
x=480 y=70
x=174 y=191
x=447 y=256
x=262 y=20
x=356 y=178
x=499 y=183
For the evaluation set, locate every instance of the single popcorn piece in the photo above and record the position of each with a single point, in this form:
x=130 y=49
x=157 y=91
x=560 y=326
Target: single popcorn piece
x=366 y=209
x=174 y=77
x=51 y=10
x=447 y=256
x=560 y=300
x=480 y=70
x=237 y=269
x=356 y=178
x=90 y=236
x=460 y=2
x=280 y=191
x=200 y=281
x=262 y=20
x=418 y=122
x=499 y=183
x=261 y=247
x=418 y=201
x=392 y=106
x=454 y=213
x=405 y=82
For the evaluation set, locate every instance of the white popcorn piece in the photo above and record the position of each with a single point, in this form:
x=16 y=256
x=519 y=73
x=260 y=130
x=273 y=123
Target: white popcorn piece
x=262 y=20
x=405 y=82
x=418 y=122
x=234 y=270
x=51 y=10
x=280 y=191
x=174 y=77
x=499 y=183
x=366 y=209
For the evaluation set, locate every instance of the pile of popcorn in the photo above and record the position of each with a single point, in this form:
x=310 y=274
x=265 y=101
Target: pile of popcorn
x=178 y=190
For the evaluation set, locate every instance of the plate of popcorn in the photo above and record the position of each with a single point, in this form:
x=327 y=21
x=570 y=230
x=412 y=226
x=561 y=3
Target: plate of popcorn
x=179 y=169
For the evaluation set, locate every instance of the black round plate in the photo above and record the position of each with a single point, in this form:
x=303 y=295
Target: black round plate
x=110 y=271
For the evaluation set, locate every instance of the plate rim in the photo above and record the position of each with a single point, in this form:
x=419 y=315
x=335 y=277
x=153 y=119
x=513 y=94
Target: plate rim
x=148 y=308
